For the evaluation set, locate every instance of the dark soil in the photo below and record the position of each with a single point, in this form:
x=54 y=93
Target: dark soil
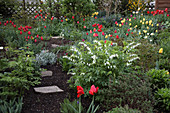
x=50 y=103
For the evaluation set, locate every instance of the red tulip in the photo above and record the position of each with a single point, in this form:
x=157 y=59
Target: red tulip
x=148 y=12
x=167 y=15
x=116 y=22
x=117 y=36
x=19 y=29
x=95 y=35
x=127 y=34
x=80 y=91
x=28 y=37
x=35 y=17
x=40 y=14
x=115 y=31
x=52 y=18
x=37 y=36
x=111 y=43
x=72 y=17
x=0 y=23
x=44 y=26
x=95 y=17
x=103 y=33
x=84 y=27
x=128 y=30
x=87 y=33
x=41 y=38
x=7 y=22
x=100 y=26
x=99 y=30
x=105 y=41
x=152 y=12
x=21 y=32
x=93 y=90
x=110 y=35
x=4 y=24
x=25 y=37
x=94 y=25
x=29 y=33
x=31 y=37
x=35 y=40
x=35 y=11
x=26 y=40
x=83 y=19
x=131 y=32
x=24 y=30
x=77 y=22
x=61 y=20
x=166 y=10
x=29 y=27
x=14 y=26
x=12 y=23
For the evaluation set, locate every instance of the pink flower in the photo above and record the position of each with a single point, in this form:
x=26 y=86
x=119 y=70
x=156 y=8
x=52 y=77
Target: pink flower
x=127 y=34
x=84 y=27
x=4 y=24
x=83 y=40
x=83 y=19
x=95 y=35
x=35 y=40
x=87 y=33
x=90 y=31
x=77 y=22
x=37 y=36
x=135 y=18
x=94 y=30
x=41 y=38
x=167 y=15
x=130 y=15
x=128 y=30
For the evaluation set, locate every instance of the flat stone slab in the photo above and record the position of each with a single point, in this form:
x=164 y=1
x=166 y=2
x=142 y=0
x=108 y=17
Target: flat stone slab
x=46 y=73
x=57 y=37
x=48 y=89
x=55 y=45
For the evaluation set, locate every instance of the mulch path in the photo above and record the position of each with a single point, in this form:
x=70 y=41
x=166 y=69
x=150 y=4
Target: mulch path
x=50 y=103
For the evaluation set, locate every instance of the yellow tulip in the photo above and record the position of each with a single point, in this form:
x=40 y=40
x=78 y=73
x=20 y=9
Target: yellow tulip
x=28 y=55
x=145 y=31
x=167 y=73
x=130 y=28
x=135 y=26
x=146 y=22
x=152 y=24
x=66 y=19
x=130 y=19
x=143 y=19
x=106 y=36
x=143 y=22
x=157 y=24
x=156 y=31
x=139 y=33
x=140 y=21
x=120 y=25
x=147 y=27
x=161 y=50
x=130 y=24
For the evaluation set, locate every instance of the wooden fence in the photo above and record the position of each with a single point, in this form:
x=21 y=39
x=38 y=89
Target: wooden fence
x=162 y=4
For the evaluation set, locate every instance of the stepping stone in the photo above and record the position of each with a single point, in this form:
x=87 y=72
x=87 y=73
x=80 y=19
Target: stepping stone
x=57 y=37
x=55 y=45
x=48 y=89
x=46 y=73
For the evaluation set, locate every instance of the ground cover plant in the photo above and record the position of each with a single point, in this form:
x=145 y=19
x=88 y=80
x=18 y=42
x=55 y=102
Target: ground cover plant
x=116 y=61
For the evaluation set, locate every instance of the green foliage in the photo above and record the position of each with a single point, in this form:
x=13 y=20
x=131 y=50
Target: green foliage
x=45 y=58
x=23 y=74
x=148 y=54
x=71 y=8
x=163 y=98
x=13 y=106
x=131 y=90
x=99 y=61
x=65 y=106
x=160 y=78
x=124 y=109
